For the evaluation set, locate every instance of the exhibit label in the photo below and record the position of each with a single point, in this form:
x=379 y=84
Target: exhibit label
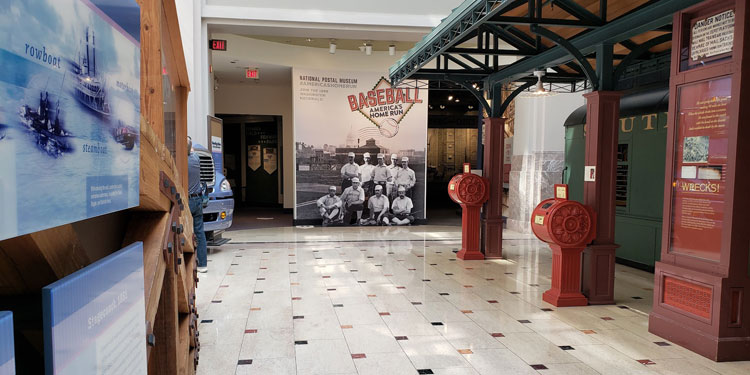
x=700 y=168
x=69 y=112
x=94 y=319
x=7 y=351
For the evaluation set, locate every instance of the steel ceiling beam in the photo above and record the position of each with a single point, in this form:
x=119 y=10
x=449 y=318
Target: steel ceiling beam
x=488 y=51
x=578 y=11
x=645 y=19
x=504 y=20
x=444 y=36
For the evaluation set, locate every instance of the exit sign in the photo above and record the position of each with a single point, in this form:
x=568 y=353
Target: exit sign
x=252 y=73
x=218 y=44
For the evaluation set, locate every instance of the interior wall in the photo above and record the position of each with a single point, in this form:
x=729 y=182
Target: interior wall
x=272 y=100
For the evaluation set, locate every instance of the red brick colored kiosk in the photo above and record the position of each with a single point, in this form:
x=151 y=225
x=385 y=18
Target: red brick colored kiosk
x=567 y=226
x=702 y=282
x=470 y=191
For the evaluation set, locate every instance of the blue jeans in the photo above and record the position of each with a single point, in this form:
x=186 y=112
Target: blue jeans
x=196 y=208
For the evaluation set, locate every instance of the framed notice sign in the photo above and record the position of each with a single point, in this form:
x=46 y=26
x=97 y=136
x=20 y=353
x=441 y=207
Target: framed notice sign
x=710 y=39
x=95 y=319
x=7 y=352
x=700 y=167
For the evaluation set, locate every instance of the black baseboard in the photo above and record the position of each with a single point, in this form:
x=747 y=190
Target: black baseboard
x=288 y=210
x=319 y=222
x=630 y=263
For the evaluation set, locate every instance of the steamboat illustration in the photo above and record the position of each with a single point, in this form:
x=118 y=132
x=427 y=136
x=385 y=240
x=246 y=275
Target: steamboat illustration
x=90 y=88
x=47 y=129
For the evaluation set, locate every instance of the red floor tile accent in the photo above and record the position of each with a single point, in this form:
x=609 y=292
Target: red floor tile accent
x=384 y=314
x=255 y=309
x=347 y=326
x=607 y=318
x=251 y=331
x=589 y=331
x=326 y=277
x=646 y=362
x=296 y=298
x=465 y=351
x=372 y=295
x=467 y=311
x=468 y=286
x=400 y=287
x=498 y=335
x=358 y=356
x=492 y=301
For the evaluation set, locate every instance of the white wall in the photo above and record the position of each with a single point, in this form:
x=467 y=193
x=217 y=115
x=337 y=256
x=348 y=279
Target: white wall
x=539 y=122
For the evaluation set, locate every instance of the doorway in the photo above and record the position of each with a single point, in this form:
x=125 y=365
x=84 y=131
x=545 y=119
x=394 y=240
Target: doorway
x=253 y=159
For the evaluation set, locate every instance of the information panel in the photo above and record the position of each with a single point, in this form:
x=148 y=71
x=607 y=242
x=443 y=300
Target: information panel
x=700 y=168
x=69 y=111
x=94 y=319
x=7 y=352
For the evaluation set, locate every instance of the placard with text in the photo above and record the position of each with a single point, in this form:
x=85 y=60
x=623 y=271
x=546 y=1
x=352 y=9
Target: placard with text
x=95 y=318
x=700 y=168
x=69 y=111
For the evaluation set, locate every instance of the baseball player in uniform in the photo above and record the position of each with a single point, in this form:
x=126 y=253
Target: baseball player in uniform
x=349 y=171
x=353 y=199
x=365 y=171
x=402 y=207
x=405 y=177
x=378 y=205
x=330 y=207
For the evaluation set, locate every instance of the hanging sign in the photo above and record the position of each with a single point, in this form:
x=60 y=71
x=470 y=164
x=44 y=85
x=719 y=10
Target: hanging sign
x=712 y=36
x=253 y=156
x=94 y=319
x=269 y=159
x=7 y=352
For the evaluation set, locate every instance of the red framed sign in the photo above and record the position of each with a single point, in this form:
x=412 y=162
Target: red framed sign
x=700 y=168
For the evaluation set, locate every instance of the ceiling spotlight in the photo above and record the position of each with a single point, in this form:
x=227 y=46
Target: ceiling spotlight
x=430 y=106
x=362 y=48
x=450 y=97
x=368 y=49
x=442 y=106
x=471 y=107
x=309 y=40
x=392 y=50
x=332 y=47
x=458 y=100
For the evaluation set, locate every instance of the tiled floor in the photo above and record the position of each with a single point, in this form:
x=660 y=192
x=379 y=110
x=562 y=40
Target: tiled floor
x=397 y=301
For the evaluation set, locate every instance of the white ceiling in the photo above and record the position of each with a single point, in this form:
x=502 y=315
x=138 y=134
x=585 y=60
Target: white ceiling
x=441 y=8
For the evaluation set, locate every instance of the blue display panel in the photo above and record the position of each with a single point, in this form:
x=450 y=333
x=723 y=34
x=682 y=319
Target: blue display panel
x=69 y=111
x=7 y=353
x=95 y=319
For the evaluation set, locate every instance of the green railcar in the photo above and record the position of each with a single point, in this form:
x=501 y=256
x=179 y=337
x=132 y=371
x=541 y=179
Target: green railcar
x=639 y=187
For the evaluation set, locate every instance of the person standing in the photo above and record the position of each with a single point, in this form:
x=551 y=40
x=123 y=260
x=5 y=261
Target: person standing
x=365 y=171
x=195 y=192
x=402 y=207
x=349 y=171
x=330 y=207
x=393 y=168
x=353 y=199
x=405 y=177
x=381 y=174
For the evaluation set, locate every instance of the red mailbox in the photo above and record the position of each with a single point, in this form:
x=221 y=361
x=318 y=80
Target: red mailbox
x=470 y=191
x=567 y=226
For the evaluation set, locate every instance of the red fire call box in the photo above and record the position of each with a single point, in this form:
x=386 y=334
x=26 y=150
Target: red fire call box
x=567 y=226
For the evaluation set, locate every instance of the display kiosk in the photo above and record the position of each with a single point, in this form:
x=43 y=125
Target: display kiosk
x=702 y=280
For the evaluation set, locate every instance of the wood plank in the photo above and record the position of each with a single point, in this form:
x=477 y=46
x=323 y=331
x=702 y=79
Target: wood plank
x=165 y=357
x=185 y=363
x=149 y=228
x=152 y=107
x=177 y=52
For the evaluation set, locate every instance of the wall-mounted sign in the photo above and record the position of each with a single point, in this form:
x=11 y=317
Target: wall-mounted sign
x=252 y=73
x=217 y=44
x=589 y=173
x=712 y=36
x=69 y=112
x=700 y=168
x=253 y=157
x=94 y=319
x=339 y=112
x=7 y=351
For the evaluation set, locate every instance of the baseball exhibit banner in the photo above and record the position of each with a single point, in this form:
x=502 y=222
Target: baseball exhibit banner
x=340 y=118
x=69 y=111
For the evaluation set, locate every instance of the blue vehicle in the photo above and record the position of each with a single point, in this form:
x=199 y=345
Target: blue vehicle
x=217 y=216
